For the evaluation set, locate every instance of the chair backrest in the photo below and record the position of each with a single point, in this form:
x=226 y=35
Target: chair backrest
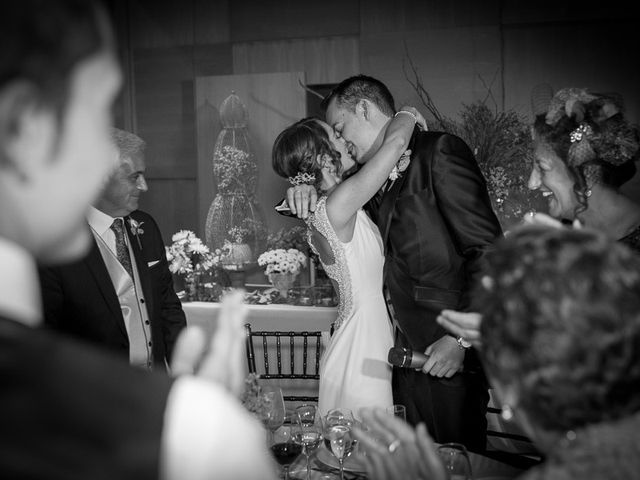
x=506 y=441
x=299 y=349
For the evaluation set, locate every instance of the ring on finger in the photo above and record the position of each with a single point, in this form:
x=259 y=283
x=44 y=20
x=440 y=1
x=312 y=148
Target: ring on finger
x=393 y=446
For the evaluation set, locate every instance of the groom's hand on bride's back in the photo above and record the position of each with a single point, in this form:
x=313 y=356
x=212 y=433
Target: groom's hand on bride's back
x=302 y=200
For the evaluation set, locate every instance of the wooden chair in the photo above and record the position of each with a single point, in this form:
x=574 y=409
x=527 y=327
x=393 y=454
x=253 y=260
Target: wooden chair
x=507 y=442
x=301 y=349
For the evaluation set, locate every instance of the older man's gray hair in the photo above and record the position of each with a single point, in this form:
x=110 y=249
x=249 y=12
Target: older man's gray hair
x=129 y=145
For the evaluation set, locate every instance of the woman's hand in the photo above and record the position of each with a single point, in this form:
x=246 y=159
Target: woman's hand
x=220 y=358
x=535 y=218
x=462 y=324
x=422 y=123
x=395 y=450
x=302 y=200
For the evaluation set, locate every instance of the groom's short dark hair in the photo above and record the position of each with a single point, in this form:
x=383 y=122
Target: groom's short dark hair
x=353 y=89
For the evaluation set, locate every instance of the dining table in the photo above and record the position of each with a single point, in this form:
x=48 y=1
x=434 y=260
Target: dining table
x=282 y=317
x=324 y=466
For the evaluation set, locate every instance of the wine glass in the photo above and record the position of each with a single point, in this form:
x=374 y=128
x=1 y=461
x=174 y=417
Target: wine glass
x=284 y=448
x=273 y=411
x=308 y=432
x=336 y=431
x=456 y=461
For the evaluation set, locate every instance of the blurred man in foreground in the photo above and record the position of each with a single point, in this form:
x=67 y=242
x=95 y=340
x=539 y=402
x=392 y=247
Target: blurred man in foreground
x=66 y=410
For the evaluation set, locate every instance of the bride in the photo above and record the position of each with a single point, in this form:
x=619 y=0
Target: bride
x=354 y=372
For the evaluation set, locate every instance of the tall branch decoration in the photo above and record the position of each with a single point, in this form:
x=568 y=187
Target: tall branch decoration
x=501 y=143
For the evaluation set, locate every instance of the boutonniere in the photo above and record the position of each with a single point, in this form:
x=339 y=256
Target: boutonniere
x=136 y=229
x=401 y=166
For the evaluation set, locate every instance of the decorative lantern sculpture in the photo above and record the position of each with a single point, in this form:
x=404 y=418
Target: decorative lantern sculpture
x=235 y=220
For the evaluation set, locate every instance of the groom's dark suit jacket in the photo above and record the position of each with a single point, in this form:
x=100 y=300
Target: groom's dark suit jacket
x=437 y=224
x=79 y=298
x=69 y=411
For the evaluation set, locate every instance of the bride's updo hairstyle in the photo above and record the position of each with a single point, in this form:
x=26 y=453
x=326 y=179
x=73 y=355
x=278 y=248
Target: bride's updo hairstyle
x=298 y=149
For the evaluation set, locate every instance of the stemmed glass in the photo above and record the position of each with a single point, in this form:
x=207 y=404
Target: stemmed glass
x=273 y=411
x=456 y=461
x=336 y=431
x=308 y=432
x=284 y=448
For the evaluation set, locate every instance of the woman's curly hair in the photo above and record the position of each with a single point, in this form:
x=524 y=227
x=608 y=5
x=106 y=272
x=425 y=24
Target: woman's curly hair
x=607 y=150
x=561 y=324
x=297 y=148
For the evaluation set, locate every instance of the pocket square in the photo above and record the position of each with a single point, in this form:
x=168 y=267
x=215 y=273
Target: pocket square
x=151 y=264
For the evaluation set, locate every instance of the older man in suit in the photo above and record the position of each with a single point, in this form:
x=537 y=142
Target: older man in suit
x=121 y=295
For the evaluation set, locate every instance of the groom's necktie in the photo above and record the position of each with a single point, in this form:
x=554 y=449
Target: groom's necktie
x=122 y=251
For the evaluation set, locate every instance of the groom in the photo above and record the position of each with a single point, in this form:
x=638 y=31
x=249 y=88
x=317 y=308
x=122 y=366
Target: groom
x=436 y=223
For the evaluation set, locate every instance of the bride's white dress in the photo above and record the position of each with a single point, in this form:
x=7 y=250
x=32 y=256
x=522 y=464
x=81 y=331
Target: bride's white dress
x=354 y=372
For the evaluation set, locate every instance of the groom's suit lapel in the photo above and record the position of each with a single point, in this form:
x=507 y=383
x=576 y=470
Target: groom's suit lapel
x=385 y=214
x=388 y=203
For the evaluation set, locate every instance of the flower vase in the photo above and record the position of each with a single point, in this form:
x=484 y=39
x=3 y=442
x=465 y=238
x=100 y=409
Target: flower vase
x=194 y=286
x=239 y=254
x=282 y=282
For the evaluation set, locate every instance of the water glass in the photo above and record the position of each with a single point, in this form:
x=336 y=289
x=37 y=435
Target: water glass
x=456 y=461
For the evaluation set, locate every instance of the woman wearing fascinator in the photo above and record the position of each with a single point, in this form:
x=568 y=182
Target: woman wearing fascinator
x=584 y=150
x=353 y=372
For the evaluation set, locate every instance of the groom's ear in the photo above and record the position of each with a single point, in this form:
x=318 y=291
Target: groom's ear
x=362 y=108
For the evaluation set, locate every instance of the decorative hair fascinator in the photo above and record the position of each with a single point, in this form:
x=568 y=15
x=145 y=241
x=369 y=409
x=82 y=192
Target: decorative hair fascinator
x=302 y=179
x=598 y=136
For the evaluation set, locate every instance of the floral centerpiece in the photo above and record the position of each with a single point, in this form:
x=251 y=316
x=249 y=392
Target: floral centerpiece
x=235 y=170
x=251 y=396
x=189 y=257
x=501 y=143
x=282 y=267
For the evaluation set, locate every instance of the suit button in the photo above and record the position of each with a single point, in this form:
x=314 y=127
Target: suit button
x=142 y=300
x=147 y=322
x=149 y=343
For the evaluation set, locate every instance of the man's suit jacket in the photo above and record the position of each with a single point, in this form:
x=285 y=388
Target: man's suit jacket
x=437 y=223
x=69 y=411
x=80 y=299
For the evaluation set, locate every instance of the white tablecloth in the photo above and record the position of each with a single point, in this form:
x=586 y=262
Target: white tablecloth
x=265 y=317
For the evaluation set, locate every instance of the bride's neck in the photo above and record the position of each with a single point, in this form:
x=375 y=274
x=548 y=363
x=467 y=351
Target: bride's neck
x=329 y=182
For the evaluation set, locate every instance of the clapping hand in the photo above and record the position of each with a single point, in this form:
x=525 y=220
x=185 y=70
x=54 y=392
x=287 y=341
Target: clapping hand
x=218 y=359
x=395 y=450
x=535 y=218
x=462 y=324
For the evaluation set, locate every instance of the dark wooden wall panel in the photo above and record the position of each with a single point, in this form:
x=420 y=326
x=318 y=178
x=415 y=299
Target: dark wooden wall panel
x=172 y=203
x=253 y=20
x=567 y=11
x=458 y=46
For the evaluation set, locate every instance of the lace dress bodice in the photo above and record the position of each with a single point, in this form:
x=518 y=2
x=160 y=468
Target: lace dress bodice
x=338 y=271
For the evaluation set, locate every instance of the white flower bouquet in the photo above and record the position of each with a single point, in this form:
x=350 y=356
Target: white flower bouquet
x=187 y=254
x=280 y=260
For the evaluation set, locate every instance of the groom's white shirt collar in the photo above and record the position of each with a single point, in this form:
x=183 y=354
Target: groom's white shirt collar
x=20 y=298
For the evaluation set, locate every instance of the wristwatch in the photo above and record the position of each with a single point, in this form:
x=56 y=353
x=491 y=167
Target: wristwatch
x=462 y=343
